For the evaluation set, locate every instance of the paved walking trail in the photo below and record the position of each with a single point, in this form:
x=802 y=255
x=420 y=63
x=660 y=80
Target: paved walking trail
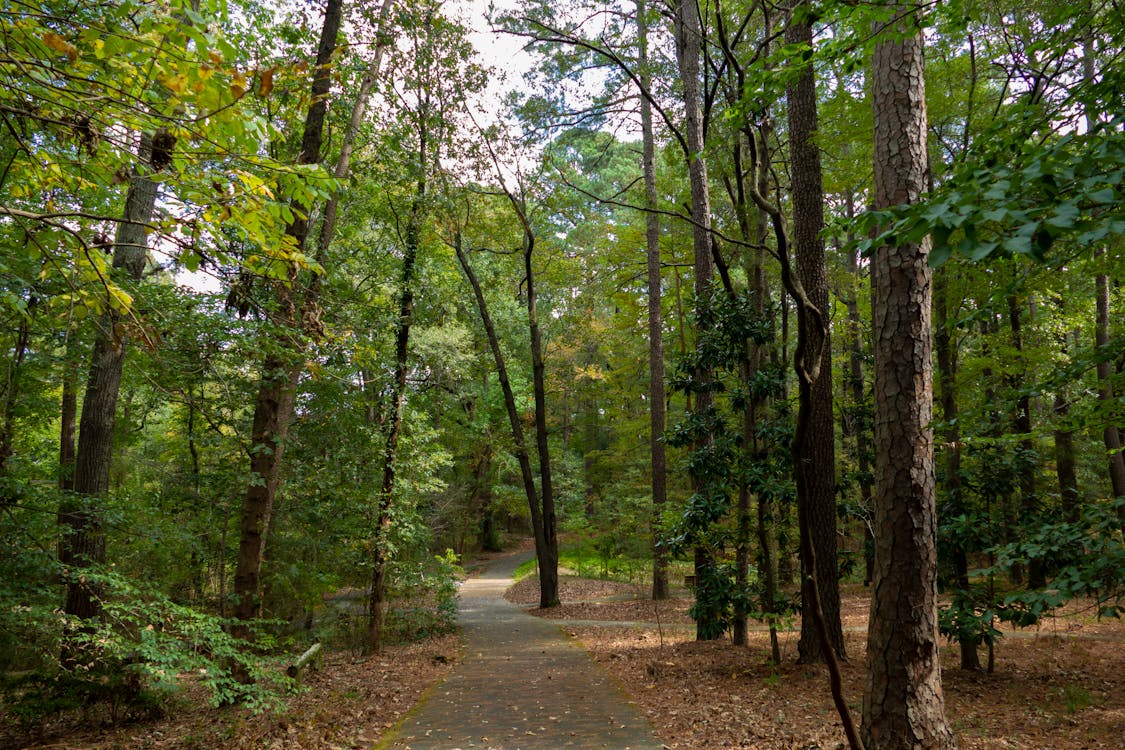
x=522 y=685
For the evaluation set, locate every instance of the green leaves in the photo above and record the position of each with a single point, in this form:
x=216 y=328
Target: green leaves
x=1017 y=197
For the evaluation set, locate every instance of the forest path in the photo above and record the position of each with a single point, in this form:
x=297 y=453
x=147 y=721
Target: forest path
x=522 y=685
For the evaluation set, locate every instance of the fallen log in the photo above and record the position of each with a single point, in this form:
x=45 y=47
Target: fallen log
x=294 y=670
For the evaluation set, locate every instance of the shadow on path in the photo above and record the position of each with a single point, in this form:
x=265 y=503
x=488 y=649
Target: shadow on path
x=522 y=685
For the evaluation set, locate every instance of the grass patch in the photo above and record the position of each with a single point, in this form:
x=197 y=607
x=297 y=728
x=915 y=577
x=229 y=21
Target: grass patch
x=588 y=560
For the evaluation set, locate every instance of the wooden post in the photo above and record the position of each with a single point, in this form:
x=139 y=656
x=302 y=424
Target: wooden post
x=294 y=670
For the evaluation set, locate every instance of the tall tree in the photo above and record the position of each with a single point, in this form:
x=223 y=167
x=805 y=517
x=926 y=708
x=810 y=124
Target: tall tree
x=281 y=368
x=903 y=705
x=656 y=393
x=816 y=477
x=1111 y=434
x=688 y=32
x=543 y=546
x=82 y=537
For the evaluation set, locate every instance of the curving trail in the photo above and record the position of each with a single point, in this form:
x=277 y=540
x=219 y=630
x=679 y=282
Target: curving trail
x=522 y=685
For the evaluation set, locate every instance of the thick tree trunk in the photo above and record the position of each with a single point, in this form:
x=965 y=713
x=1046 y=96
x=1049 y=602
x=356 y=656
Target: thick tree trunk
x=903 y=705
x=656 y=394
x=82 y=527
x=816 y=486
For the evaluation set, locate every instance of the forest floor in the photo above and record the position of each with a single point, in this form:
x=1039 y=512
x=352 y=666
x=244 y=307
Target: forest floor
x=1059 y=686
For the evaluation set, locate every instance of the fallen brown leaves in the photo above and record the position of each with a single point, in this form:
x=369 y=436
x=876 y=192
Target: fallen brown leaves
x=1060 y=687
x=349 y=703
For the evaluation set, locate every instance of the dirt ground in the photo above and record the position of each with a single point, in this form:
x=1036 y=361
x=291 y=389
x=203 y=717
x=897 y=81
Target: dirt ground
x=1060 y=686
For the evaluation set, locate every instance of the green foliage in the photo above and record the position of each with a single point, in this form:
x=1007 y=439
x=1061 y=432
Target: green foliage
x=426 y=594
x=1026 y=196
x=720 y=462
x=1088 y=561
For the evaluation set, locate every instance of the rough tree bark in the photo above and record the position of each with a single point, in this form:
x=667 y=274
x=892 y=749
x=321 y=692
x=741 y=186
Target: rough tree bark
x=688 y=32
x=816 y=477
x=903 y=705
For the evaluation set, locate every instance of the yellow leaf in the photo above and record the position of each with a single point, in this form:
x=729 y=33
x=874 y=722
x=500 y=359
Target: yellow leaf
x=265 y=82
x=238 y=85
x=58 y=44
x=177 y=84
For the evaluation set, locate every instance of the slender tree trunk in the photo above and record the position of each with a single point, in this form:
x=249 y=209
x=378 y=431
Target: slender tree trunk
x=281 y=371
x=951 y=435
x=543 y=552
x=656 y=393
x=1029 y=502
x=81 y=522
x=11 y=390
x=481 y=500
x=393 y=425
x=860 y=422
x=1111 y=436
x=903 y=706
x=689 y=36
x=816 y=483
x=1066 y=469
x=68 y=415
x=549 y=560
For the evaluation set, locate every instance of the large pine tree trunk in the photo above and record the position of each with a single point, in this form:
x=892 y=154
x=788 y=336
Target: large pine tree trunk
x=816 y=477
x=82 y=527
x=903 y=706
x=656 y=395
